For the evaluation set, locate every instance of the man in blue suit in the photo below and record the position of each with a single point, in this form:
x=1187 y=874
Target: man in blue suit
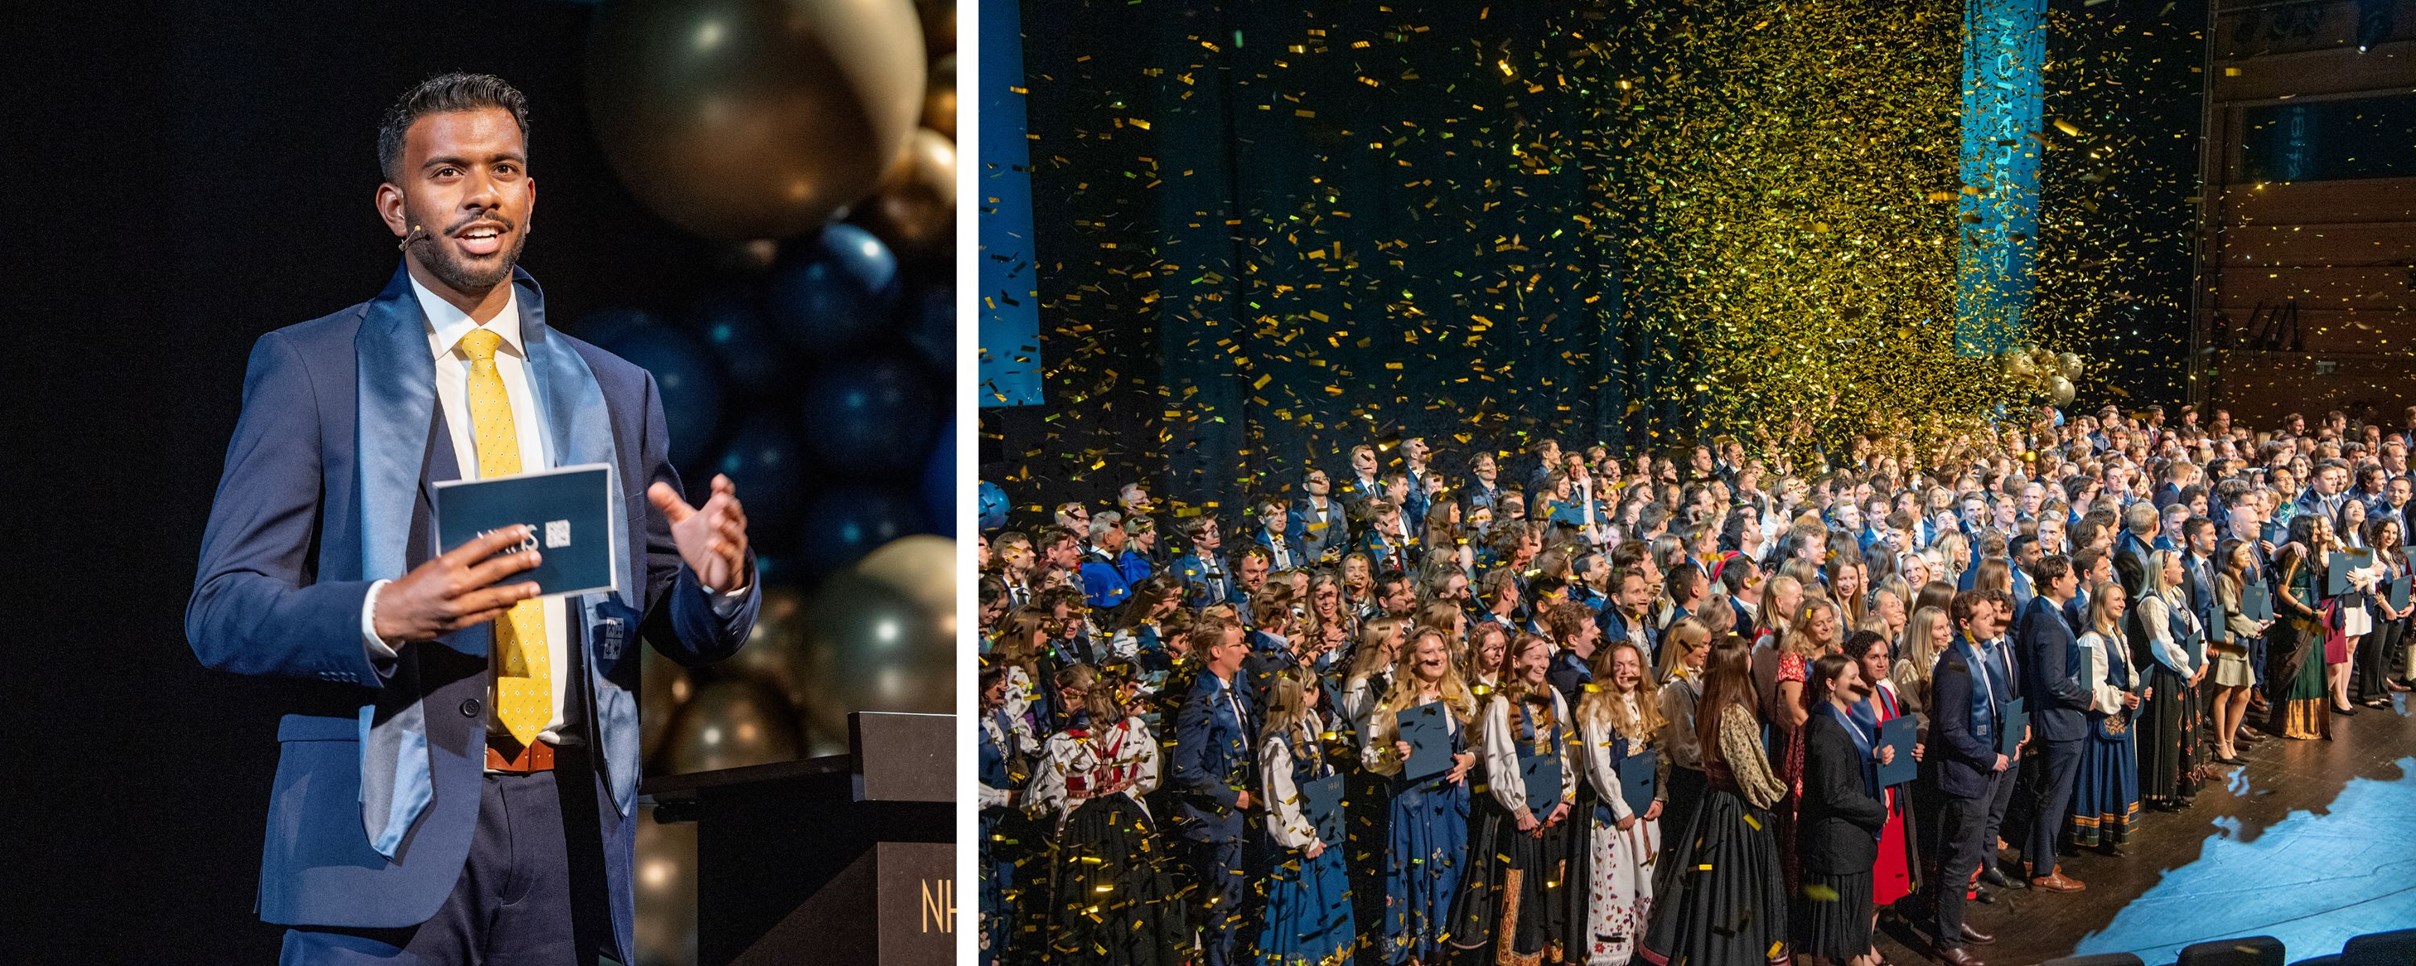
x=456 y=733
x=2059 y=705
x=1965 y=720
x=1212 y=782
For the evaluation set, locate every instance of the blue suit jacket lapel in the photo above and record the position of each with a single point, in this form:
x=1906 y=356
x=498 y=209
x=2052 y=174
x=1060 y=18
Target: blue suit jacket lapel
x=578 y=430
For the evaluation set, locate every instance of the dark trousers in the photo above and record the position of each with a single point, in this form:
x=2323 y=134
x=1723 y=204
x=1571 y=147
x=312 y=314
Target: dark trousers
x=1224 y=886
x=2000 y=799
x=1964 y=831
x=2060 y=761
x=511 y=906
x=2374 y=659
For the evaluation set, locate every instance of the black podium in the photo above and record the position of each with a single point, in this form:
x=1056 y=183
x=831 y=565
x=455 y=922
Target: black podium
x=848 y=858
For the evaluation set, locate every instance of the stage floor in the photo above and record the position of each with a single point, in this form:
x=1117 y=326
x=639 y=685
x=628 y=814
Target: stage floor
x=2308 y=843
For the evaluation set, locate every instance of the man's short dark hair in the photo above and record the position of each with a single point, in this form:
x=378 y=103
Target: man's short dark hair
x=443 y=94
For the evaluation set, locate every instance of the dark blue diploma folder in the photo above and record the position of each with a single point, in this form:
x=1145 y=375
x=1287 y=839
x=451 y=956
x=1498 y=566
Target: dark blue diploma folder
x=1897 y=733
x=1429 y=738
x=568 y=510
x=1640 y=780
x=1321 y=803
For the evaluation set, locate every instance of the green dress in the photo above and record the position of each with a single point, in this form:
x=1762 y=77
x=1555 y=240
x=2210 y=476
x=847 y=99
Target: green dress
x=2299 y=652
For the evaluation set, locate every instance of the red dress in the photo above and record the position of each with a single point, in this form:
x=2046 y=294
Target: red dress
x=1789 y=762
x=1892 y=878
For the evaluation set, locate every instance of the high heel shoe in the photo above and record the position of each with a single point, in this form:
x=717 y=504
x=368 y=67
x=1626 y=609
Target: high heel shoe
x=2337 y=709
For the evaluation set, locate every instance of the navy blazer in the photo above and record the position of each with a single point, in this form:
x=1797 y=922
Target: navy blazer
x=1197 y=586
x=282 y=581
x=1212 y=761
x=1966 y=759
x=2057 y=699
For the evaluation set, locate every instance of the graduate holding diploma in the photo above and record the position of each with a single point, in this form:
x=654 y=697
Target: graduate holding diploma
x=1429 y=815
x=1510 y=900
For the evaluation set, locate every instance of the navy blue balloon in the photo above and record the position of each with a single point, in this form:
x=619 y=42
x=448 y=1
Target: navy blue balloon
x=845 y=522
x=732 y=321
x=610 y=324
x=930 y=324
x=763 y=459
x=939 y=482
x=690 y=381
x=834 y=289
x=992 y=504
x=871 y=415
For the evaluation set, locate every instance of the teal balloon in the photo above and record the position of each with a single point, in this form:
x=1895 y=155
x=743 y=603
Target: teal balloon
x=732 y=321
x=689 y=379
x=990 y=503
x=833 y=289
x=763 y=459
x=873 y=415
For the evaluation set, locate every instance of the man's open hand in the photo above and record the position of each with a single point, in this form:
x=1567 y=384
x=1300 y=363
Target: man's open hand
x=456 y=590
x=712 y=539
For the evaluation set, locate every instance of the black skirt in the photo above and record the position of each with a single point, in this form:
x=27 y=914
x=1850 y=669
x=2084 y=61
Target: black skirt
x=1511 y=890
x=1833 y=916
x=1723 y=899
x=1114 y=901
x=2168 y=737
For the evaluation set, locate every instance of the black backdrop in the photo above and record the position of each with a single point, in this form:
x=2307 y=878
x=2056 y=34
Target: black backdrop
x=1328 y=194
x=1191 y=158
x=181 y=179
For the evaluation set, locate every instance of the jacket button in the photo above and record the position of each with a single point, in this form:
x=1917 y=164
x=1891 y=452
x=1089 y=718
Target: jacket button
x=469 y=708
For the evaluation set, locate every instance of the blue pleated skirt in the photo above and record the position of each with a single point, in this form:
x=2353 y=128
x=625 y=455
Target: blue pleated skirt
x=1429 y=846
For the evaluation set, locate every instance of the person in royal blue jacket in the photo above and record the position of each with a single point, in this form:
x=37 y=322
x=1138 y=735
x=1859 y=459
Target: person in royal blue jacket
x=1212 y=785
x=1965 y=720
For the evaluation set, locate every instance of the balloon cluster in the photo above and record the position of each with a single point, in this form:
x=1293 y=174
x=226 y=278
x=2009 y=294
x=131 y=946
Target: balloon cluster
x=2043 y=371
x=814 y=139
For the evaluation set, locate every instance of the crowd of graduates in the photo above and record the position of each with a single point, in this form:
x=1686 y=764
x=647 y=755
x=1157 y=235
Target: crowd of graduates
x=1554 y=706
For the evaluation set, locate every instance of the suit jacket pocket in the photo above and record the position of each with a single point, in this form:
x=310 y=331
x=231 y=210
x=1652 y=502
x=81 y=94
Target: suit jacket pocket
x=314 y=812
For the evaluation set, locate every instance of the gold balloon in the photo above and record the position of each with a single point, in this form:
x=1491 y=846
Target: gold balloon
x=747 y=119
x=881 y=636
x=769 y=657
x=2020 y=366
x=663 y=689
x=733 y=722
x=914 y=211
x=939 y=97
x=2068 y=363
x=665 y=883
x=939 y=25
x=2060 y=391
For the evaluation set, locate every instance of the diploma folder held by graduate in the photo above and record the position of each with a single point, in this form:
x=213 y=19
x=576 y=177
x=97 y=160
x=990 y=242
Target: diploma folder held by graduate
x=1429 y=738
x=568 y=512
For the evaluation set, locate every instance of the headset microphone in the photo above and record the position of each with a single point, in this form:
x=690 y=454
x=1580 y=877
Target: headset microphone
x=416 y=231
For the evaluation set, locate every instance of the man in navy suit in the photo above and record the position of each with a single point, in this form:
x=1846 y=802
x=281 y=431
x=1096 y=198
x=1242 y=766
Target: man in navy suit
x=455 y=733
x=1319 y=527
x=1212 y=783
x=1205 y=576
x=1965 y=719
x=2058 y=704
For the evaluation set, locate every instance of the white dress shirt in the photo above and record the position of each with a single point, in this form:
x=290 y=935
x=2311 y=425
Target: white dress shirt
x=446 y=325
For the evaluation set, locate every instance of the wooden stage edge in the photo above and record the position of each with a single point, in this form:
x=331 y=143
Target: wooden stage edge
x=2308 y=842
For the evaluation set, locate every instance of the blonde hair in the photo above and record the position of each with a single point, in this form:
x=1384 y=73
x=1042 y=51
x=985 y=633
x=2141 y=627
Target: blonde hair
x=1791 y=641
x=1452 y=687
x=1916 y=647
x=1601 y=703
x=1372 y=635
x=1684 y=634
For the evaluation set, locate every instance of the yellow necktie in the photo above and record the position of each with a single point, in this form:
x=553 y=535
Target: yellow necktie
x=524 y=688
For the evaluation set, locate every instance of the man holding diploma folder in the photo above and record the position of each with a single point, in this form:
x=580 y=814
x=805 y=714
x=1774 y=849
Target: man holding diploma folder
x=459 y=777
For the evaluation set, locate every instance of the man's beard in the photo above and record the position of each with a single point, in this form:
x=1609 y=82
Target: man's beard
x=464 y=277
